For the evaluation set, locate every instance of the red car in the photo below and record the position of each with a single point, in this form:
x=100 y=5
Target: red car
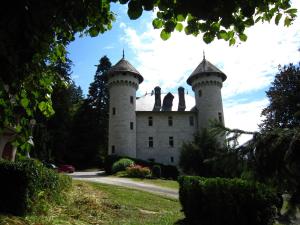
x=66 y=169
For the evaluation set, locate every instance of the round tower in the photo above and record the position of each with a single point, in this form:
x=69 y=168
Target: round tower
x=207 y=81
x=123 y=82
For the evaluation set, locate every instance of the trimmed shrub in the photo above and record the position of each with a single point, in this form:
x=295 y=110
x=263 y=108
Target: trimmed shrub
x=219 y=201
x=156 y=171
x=121 y=165
x=167 y=171
x=138 y=171
x=24 y=183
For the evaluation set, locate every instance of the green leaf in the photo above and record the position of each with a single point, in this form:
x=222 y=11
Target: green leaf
x=93 y=32
x=25 y=102
x=208 y=37
x=165 y=35
x=157 y=23
x=287 y=21
x=243 y=37
x=179 y=27
x=232 y=42
x=135 y=9
x=277 y=18
x=180 y=18
x=223 y=35
x=291 y=11
x=42 y=106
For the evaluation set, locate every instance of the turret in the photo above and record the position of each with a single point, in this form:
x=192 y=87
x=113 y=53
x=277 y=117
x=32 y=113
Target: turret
x=123 y=82
x=206 y=82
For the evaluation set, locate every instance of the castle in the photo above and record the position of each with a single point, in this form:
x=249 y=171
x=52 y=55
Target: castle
x=151 y=129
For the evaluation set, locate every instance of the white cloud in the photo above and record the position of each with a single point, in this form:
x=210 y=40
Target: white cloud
x=249 y=66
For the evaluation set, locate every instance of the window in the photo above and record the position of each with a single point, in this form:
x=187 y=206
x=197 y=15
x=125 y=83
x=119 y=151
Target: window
x=172 y=159
x=170 y=121
x=171 y=141
x=114 y=111
x=200 y=93
x=113 y=149
x=191 y=118
x=131 y=99
x=150 y=142
x=150 y=121
x=220 y=117
x=131 y=125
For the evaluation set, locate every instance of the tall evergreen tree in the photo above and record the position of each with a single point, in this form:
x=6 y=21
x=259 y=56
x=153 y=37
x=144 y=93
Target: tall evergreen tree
x=90 y=126
x=284 y=96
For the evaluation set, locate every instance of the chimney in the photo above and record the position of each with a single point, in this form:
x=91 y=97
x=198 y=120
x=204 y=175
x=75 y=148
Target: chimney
x=168 y=102
x=157 y=103
x=181 y=103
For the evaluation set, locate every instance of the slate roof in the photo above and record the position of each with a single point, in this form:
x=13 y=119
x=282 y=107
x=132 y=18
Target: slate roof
x=146 y=102
x=205 y=67
x=124 y=66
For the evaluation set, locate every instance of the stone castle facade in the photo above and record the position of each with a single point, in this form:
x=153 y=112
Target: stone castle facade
x=153 y=127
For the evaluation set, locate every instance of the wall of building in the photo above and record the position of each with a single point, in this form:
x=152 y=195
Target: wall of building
x=209 y=102
x=161 y=152
x=122 y=138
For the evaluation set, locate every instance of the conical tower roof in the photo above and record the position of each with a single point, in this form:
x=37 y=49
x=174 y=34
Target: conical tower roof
x=123 y=66
x=204 y=68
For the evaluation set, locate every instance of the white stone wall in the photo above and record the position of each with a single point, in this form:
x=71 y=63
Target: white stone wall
x=181 y=131
x=209 y=104
x=121 y=136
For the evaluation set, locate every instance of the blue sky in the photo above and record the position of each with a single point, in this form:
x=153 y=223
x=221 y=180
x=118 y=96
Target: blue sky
x=250 y=66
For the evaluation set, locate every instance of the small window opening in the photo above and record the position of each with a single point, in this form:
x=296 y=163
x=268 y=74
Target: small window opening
x=170 y=121
x=172 y=159
x=114 y=111
x=131 y=99
x=131 y=125
x=200 y=93
x=150 y=142
x=171 y=141
x=150 y=121
x=191 y=118
x=220 y=117
x=113 y=150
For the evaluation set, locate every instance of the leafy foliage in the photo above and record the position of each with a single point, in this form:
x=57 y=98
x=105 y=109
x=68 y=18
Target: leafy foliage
x=284 y=95
x=218 y=201
x=205 y=156
x=122 y=164
x=89 y=130
x=33 y=37
x=138 y=171
x=26 y=183
x=226 y=20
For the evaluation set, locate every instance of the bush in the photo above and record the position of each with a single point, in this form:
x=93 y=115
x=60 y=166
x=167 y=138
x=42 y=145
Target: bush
x=24 y=183
x=138 y=171
x=167 y=171
x=219 y=201
x=156 y=171
x=121 y=165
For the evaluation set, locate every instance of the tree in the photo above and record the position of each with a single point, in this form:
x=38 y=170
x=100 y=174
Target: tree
x=51 y=134
x=284 y=96
x=89 y=133
x=205 y=156
x=214 y=18
x=34 y=35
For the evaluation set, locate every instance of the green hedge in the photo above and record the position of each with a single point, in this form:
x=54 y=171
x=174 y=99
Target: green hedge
x=121 y=165
x=23 y=183
x=219 y=201
x=167 y=171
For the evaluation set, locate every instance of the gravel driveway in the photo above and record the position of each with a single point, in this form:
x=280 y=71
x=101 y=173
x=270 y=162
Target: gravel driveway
x=100 y=177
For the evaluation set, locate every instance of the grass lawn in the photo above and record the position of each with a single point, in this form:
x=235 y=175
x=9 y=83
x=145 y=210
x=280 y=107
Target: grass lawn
x=91 y=203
